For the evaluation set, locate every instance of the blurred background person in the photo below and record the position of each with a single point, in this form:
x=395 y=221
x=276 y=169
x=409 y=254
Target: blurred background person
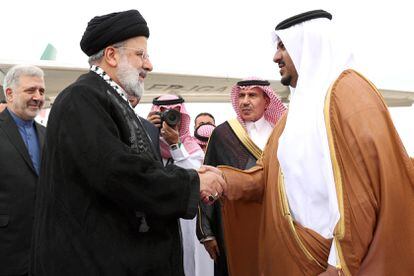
x=202 y=133
x=204 y=118
x=168 y=113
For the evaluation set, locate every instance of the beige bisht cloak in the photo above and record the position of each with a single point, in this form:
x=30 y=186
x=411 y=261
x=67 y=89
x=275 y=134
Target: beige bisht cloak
x=374 y=180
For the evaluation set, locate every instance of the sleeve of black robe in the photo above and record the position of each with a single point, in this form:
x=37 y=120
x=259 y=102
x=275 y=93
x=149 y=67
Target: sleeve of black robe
x=206 y=218
x=84 y=144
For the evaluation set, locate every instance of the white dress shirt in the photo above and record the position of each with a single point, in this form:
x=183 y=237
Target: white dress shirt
x=259 y=131
x=185 y=160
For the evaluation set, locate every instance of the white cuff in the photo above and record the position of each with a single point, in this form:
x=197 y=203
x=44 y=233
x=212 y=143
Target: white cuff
x=179 y=153
x=332 y=258
x=209 y=238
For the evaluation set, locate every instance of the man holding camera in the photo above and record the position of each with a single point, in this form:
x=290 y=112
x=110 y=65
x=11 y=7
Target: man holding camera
x=178 y=147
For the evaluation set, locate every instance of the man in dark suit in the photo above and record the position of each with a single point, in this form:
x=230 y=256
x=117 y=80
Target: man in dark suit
x=21 y=140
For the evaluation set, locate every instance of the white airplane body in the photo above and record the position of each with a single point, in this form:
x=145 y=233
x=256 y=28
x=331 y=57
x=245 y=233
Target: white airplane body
x=194 y=88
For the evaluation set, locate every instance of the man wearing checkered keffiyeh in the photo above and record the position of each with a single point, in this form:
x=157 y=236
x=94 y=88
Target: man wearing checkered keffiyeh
x=238 y=143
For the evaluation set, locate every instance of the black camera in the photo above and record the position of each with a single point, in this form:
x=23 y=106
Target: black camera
x=171 y=116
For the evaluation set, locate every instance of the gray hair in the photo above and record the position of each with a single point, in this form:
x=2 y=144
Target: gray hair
x=96 y=58
x=11 y=80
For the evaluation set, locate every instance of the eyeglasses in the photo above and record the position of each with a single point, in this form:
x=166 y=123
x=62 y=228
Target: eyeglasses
x=139 y=52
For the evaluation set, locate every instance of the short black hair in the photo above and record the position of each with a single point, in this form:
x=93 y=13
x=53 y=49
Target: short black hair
x=205 y=114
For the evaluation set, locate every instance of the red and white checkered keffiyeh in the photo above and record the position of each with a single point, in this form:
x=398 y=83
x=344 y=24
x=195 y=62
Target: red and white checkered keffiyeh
x=186 y=139
x=273 y=112
x=203 y=133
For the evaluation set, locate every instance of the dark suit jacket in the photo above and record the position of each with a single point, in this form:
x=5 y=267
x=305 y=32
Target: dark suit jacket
x=17 y=193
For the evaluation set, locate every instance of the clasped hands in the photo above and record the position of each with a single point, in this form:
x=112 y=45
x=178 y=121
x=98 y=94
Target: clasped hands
x=212 y=184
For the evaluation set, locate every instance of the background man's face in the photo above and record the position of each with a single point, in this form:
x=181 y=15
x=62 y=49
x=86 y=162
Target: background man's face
x=26 y=99
x=203 y=119
x=287 y=68
x=252 y=104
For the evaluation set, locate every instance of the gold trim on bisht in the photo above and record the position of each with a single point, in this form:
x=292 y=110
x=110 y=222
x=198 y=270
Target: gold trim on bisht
x=340 y=228
x=244 y=138
x=339 y=231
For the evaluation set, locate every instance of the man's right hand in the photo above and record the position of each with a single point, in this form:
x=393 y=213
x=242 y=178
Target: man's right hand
x=211 y=185
x=206 y=168
x=154 y=118
x=212 y=249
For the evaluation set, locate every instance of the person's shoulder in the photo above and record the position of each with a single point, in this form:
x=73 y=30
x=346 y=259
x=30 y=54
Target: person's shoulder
x=352 y=79
x=222 y=127
x=352 y=92
x=220 y=133
x=40 y=127
x=4 y=114
x=89 y=81
x=351 y=75
x=87 y=85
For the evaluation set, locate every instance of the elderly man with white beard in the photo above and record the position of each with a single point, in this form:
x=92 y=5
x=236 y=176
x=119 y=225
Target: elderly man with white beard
x=105 y=204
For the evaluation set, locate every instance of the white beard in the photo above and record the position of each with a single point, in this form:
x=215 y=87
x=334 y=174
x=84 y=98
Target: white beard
x=128 y=77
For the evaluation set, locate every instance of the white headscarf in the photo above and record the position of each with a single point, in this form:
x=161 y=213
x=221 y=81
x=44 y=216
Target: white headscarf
x=319 y=58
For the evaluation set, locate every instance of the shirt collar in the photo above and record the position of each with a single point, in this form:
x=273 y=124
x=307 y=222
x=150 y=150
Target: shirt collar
x=259 y=124
x=100 y=72
x=19 y=121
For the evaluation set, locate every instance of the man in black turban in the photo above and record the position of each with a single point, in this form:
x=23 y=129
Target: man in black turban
x=105 y=204
x=108 y=29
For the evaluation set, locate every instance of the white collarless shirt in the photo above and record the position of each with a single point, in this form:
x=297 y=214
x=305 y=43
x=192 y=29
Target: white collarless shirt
x=259 y=131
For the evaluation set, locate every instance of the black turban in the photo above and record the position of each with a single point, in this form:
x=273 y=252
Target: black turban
x=108 y=29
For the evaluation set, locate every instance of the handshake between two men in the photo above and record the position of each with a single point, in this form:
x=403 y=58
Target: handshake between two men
x=212 y=184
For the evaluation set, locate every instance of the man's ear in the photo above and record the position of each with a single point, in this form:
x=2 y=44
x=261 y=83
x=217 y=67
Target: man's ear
x=111 y=56
x=267 y=99
x=9 y=94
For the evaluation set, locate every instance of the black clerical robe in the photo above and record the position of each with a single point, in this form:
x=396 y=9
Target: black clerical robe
x=105 y=205
x=225 y=148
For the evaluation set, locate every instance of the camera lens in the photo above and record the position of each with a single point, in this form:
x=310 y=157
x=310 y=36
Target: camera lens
x=172 y=117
